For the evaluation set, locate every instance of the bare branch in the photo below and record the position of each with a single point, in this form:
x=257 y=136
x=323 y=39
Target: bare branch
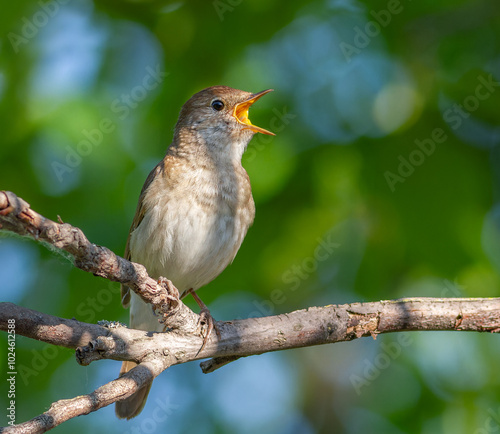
x=313 y=326
x=302 y=328
x=47 y=328
x=66 y=409
x=154 y=352
x=17 y=216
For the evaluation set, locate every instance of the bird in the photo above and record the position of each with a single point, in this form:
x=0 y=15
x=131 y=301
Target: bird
x=194 y=209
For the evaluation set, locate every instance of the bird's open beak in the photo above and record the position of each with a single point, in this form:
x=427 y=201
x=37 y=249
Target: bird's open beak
x=241 y=112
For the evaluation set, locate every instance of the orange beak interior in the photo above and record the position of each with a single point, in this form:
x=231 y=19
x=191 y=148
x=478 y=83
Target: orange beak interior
x=241 y=112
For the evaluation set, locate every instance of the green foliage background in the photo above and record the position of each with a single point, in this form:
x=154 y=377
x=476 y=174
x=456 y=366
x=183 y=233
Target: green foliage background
x=358 y=85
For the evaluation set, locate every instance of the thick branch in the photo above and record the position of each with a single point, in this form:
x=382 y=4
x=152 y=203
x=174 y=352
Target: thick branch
x=302 y=328
x=313 y=326
x=47 y=328
x=157 y=351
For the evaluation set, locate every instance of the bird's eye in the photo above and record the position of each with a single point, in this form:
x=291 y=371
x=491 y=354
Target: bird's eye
x=217 y=105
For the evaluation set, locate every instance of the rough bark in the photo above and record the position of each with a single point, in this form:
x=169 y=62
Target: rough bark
x=155 y=352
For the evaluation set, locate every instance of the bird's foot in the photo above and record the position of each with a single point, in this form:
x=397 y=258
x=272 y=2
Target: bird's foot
x=172 y=292
x=206 y=322
x=172 y=298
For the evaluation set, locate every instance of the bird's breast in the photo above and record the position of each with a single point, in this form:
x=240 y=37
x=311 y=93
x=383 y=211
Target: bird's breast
x=193 y=228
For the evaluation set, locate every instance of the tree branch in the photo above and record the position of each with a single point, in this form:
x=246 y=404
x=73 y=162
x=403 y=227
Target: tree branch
x=66 y=409
x=156 y=352
x=17 y=216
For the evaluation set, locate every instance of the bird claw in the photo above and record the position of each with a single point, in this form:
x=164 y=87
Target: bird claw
x=7 y=210
x=172 y=292
x=14 y=203
x=172 y=299
x=206 y=319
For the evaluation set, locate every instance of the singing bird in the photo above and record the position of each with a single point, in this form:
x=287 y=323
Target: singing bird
x=194 y=209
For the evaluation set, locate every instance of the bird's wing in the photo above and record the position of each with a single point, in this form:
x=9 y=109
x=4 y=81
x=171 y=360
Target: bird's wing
x=139 y=215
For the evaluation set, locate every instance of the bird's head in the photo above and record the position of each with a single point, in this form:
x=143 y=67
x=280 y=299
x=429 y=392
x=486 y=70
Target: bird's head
x=219 y=116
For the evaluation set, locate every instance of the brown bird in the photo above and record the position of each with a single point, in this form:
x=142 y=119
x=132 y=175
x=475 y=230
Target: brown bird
x=194 y=209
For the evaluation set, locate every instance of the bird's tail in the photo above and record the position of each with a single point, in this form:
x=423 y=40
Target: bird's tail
x=133 y=405
x=141 y=318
